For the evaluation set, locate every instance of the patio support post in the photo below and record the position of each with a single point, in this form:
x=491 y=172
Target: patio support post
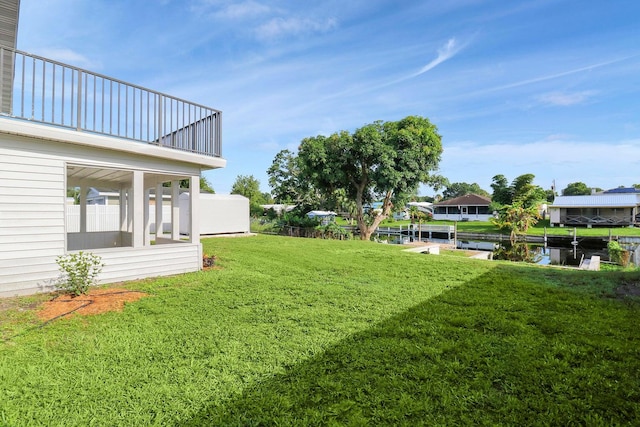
x=194 y=209
x=159 y=202
x=130 y=210
x=175 y=210
x=123 y=209
x=136 y=199
x=147 y=218
x=83 y=209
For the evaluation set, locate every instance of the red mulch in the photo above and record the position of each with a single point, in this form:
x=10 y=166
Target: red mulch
x=95 y=302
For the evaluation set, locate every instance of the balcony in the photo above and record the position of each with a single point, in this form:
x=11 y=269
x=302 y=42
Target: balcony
x=41 y=90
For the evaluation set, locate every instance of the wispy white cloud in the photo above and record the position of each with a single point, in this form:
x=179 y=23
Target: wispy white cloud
x=69 y=56
x=448 y=51
x=247 y=9
x=282 y=27
x=558 y=75
x=445 y=52
x=565 y=99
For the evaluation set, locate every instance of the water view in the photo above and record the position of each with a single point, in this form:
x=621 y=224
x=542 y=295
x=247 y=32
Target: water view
x=521 y=252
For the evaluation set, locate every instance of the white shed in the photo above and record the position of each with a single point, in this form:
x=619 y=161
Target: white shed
x=219 y=213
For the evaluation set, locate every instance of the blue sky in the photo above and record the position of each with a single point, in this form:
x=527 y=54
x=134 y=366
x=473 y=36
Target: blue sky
x=549 y=87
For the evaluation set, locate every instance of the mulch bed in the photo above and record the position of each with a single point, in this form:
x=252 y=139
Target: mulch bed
x=97 y=301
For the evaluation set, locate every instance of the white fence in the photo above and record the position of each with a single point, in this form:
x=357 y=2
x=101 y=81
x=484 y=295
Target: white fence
x=107 y=218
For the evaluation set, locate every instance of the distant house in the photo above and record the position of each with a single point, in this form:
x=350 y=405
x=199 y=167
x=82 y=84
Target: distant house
x=424 y=207
x=470 y=207
x=401 y=215
x=111 y=197
x=278 y=208
x=325 y=217
x=619 y=207
x=103 y=197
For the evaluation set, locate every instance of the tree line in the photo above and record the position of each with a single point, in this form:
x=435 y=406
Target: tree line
x=385 y=162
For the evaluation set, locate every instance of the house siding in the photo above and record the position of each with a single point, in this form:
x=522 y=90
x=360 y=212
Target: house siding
x=131 y=263
x=32 y=234
x=33 y=212
x=461 y=217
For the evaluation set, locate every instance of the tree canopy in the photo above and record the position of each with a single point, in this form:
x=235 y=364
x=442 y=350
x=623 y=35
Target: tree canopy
x=287 y=183
x=517 y=203
x=379 y=161
x=458 y=189
x=521 y=190
x=249 y=187
x=576 y=189
x=205 y=185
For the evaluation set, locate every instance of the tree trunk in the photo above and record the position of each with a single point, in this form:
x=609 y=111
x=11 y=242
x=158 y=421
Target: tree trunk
x=367 y=231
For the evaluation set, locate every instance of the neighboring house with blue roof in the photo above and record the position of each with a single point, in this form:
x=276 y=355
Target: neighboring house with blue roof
x=613 y=208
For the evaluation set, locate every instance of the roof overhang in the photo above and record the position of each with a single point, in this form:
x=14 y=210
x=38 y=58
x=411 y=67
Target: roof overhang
x=51 y=133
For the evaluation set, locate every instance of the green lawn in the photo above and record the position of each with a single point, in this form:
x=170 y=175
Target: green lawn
x=316 y=332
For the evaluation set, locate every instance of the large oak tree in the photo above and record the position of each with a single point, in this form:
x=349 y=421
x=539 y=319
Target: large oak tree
x=381 y=161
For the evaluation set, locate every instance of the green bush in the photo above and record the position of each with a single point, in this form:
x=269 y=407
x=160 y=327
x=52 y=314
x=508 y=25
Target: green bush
x=334 y=231
x=79 y=271
x=617 y=254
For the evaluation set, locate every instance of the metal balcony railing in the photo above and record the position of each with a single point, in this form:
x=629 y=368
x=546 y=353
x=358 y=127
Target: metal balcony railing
x=41 y=90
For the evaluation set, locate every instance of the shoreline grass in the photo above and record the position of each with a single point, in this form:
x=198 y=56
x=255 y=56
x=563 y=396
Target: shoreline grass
x=313 y=332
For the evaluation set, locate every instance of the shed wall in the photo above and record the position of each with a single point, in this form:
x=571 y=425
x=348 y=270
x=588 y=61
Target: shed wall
x=219 y=214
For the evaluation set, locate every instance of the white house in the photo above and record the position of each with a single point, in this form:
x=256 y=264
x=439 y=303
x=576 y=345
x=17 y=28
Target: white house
x=325 y=217
x=64 y=127
x=470 y=207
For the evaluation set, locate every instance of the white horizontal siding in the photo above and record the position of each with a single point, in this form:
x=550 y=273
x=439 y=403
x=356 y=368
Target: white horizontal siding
x=132 y=263
x=34 y=202
x=39 y=272
x=29 y=228
x=32 y=230
x=44 y=248
x=33 y=211
x=41 y=239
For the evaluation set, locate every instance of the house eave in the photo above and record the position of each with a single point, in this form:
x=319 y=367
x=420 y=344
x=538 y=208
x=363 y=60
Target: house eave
x=28 y=129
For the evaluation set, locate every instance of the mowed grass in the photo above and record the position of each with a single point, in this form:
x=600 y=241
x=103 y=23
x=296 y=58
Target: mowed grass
x=314 y=332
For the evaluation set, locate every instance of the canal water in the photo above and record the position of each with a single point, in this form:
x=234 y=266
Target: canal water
x=545 y=255
x=569 y=254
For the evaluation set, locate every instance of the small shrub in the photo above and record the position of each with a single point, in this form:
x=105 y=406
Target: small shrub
x=79 y=271
x=617 y=254
x=208 y=261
